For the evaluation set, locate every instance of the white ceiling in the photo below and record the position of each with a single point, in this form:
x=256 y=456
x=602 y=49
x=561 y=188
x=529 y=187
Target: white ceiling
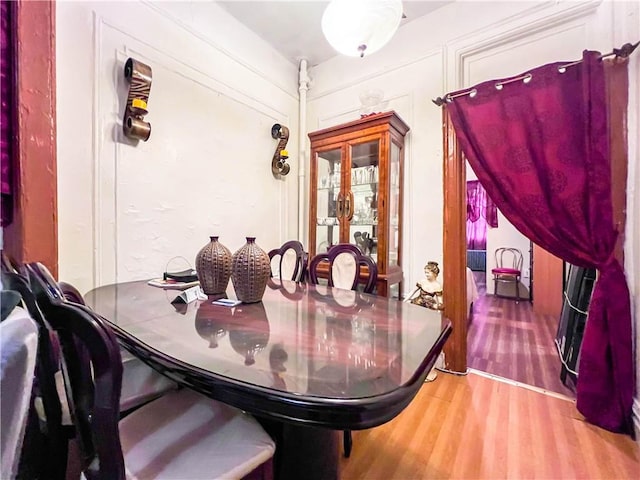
x=293 y=27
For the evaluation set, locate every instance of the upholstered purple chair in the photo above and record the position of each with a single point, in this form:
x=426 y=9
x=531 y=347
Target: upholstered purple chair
x=508 y=269
x=180 y=435
x=140 y=383
x=345 y=262
x=289 y=262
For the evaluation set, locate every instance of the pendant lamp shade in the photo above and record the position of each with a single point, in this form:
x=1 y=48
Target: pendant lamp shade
x=359 y=27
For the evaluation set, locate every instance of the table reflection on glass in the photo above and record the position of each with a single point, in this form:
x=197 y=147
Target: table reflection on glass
x=306 y=356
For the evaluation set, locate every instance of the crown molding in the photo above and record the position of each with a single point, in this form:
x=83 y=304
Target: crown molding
x=161 y=11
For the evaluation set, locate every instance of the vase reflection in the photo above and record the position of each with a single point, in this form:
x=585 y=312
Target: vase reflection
x=210 y=324
x=247 y=326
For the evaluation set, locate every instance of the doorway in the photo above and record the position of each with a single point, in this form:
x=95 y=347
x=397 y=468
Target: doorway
x=510 y=338
x=497 y=323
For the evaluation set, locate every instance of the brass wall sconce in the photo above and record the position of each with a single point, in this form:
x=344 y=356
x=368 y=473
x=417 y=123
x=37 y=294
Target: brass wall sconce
x=279 y=166
x=139 y=76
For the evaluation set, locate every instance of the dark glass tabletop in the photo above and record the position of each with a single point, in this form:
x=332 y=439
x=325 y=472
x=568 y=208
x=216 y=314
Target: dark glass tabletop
x=304 y=347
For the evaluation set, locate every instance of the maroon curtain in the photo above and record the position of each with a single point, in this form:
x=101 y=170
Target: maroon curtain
x=6 y=127
x=541 y=149
x=477 y=234
x=481 y=212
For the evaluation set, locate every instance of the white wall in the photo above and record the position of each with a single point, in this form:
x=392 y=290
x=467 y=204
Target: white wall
x=458 y=46
x=125 y=207
x=505 y=235
x=626 y=30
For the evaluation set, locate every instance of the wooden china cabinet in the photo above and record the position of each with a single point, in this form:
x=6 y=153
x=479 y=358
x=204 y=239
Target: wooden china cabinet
x=356 y=192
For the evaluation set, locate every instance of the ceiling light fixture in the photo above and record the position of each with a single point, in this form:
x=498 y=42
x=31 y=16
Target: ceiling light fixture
x=356 y=27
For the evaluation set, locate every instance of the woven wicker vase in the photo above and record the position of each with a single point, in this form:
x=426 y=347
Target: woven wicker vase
x=213 y=265
x=250 y=272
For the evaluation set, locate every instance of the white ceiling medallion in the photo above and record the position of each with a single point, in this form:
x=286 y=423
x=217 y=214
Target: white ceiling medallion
x=359 y=27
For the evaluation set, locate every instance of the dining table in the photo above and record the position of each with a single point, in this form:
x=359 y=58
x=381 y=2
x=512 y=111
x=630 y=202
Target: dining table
x=308 y=361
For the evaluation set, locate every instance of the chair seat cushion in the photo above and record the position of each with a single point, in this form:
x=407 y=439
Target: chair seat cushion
x=505 y=271
x=18 y=350
x=140 y=382
x=187 y=435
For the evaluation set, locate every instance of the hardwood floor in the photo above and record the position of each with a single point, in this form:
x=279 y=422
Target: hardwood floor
x=475 y=427
x=508 y=339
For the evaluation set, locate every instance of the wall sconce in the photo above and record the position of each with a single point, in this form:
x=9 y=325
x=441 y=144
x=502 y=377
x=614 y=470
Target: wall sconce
x=279 y=166
x=139 y=76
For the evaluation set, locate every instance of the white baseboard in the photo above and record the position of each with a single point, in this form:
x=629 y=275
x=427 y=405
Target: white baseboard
x=515 y=383
x=635 y=413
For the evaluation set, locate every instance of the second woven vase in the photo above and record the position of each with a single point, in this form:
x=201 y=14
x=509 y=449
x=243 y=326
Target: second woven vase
x=250 y=272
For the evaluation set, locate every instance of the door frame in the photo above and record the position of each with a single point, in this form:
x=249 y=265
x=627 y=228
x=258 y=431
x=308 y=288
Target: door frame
x=32 y=236
x=454 y=243
x=454 y=215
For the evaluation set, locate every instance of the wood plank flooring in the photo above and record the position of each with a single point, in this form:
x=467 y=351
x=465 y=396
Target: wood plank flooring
x=474 y=427
x=508 y=339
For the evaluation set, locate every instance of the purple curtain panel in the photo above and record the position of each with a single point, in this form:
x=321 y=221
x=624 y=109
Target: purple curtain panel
x=541 y=150
x=6 y=127
x=480 y=205
x=481 y=212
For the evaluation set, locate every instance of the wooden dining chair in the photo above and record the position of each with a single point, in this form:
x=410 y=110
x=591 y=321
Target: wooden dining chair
x=140 y=382
x=508 y=269
x=45 y=452
x=344 y=262
x=18 y=353
x=289 y=262
x=180 y=435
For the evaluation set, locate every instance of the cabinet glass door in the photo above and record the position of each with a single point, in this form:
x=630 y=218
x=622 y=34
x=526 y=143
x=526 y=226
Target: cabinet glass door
x=394 y=205
x=327 y=195
x=361 y=201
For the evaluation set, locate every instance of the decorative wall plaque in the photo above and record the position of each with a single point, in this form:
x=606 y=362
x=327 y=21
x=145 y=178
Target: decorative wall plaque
x=139 y=76
x=279 y=166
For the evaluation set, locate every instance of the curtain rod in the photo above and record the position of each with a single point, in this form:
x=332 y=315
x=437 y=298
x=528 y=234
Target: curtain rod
x=623 y=52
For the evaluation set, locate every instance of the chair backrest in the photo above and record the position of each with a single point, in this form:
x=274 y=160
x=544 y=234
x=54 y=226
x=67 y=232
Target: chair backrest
x=71 y=293
x=18 y=349
x=345 y=262
x=7 y=264
x=507 y=257
x=93 y=376
x=289 y=262
x=47 y=365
